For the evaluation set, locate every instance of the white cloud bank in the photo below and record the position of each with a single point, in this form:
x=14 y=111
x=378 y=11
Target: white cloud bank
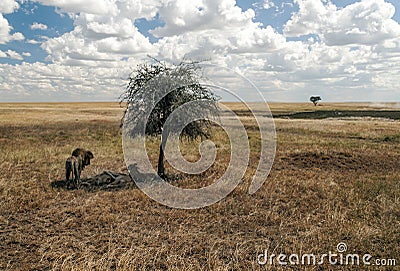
x=351 y=52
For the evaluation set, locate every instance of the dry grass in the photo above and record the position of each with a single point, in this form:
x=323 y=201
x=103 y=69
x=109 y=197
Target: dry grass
x=332 y=181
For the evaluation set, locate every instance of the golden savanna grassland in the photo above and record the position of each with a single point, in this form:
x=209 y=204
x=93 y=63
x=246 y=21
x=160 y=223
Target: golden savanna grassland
x=334 y=180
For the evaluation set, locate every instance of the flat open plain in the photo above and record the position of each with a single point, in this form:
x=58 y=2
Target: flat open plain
x=335 y=179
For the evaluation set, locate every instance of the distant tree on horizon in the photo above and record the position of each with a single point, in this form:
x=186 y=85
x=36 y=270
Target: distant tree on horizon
x=315 y=99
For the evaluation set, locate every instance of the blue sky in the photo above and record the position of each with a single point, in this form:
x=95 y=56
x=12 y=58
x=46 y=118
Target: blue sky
x=83 y=50
x=22 y=20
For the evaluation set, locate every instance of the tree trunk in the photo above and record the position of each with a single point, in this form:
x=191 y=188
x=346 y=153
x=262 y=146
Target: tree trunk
x=160 y=169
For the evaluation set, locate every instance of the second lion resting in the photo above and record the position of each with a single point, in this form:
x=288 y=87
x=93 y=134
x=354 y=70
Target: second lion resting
x=75 y=164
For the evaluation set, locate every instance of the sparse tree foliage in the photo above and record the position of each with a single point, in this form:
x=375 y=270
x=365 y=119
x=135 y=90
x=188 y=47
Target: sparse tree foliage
x=315 y=99
x=161 y=88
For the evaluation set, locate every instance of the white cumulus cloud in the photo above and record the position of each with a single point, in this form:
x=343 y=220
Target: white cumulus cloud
x=101 y=7
x=209 y=29
x=268 y=4
x=14 y=55
x=6 y=7
x=101 y=36
x=38 y=26
x=182 y=16
x=366 y=22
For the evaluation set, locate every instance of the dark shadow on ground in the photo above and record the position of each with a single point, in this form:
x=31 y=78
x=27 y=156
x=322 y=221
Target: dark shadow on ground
x=339 y=161
x=139 y=176
x=60 y=184
x=323 y=114
x=107 y=180
x=111 y=181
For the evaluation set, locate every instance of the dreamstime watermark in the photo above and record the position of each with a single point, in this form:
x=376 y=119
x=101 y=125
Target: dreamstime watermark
x=333 y=258
x=218 y=79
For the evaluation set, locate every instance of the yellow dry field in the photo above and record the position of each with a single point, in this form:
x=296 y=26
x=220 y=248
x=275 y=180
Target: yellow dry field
x=333 y=181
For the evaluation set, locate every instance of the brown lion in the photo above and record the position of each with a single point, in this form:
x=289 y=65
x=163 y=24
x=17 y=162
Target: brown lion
x=75 y=164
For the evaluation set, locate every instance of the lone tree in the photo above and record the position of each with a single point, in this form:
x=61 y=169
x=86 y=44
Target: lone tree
x=156 y=89
x=315 y=99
